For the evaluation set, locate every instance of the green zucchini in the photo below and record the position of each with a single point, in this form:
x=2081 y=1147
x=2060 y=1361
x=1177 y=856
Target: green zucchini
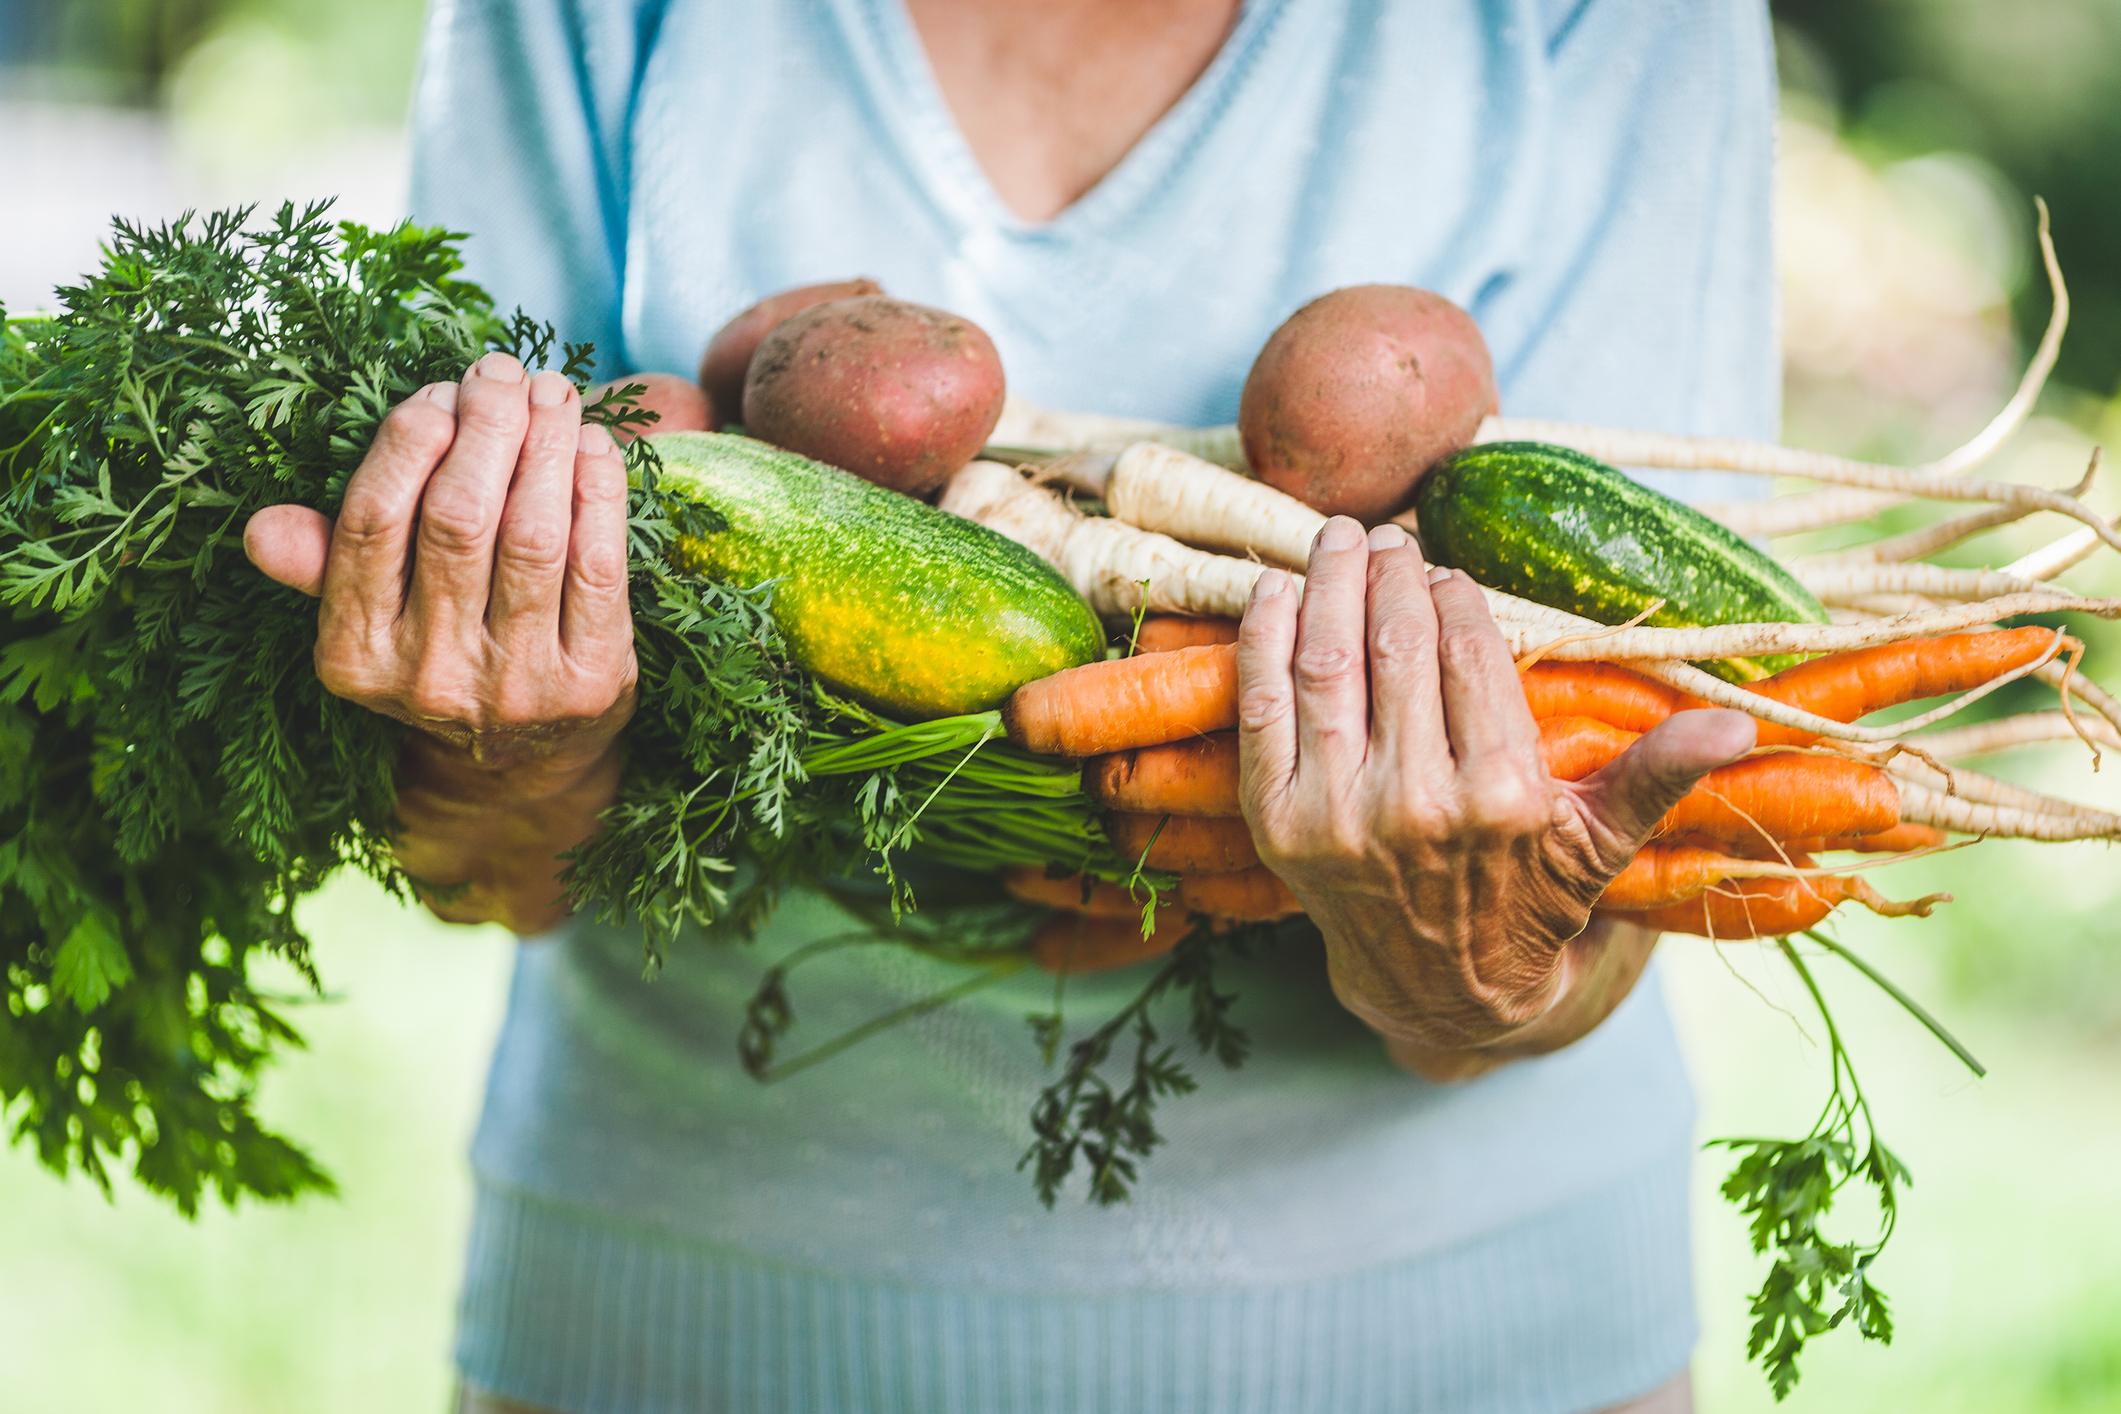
x=1562 y=529
x=913 y=610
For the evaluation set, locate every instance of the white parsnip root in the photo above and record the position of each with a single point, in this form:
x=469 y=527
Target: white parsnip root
x=1163 y=489
x=1920 y=805
x=2026 y=729
x=1981 y=789
x=1851 y=585
x=1106 y=560
x=1757 y=640
x=1928 y=540
x=1029 y=428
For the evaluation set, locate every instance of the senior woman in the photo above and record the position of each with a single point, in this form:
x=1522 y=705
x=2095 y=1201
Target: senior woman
x=1453 y=1175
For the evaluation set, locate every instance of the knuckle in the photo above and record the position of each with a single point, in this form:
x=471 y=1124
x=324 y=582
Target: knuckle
x=1464 y=643
x=366 y=517
x=417 y=427
x=453 y=524
x=551 y=437
x=347 y=672
x=1507 y=803
x=601 y=569
x=533 y=542
x=1327 y=665
x=1262 y=704
x=1402 y=636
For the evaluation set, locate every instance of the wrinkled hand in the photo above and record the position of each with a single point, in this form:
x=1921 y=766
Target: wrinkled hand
x=474 y=587
x=1391 y=776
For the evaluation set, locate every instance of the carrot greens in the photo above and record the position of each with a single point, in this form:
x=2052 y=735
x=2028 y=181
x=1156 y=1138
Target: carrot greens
x=174 y=779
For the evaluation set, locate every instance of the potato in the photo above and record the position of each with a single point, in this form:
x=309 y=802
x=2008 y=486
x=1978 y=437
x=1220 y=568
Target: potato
x=676 y=400
x=728 y=356
x=1359 y=393
x=897 y=393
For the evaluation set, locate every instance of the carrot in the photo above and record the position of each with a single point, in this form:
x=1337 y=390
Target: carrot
x=1121 y=703
x=1075 y=943
x=1104 y=900
x=1182 y=844
x=1197 y=777
x=1840 y=687
x=1772 y=908
x=1162 y=633
x=1661 y=875
x=1901 y=839
x=1847 y=686
x=1254 y=895
x=1786 y=796
x=1605 y=691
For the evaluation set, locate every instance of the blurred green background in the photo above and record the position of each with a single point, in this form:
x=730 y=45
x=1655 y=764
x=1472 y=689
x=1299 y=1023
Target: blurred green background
x=1915 y=134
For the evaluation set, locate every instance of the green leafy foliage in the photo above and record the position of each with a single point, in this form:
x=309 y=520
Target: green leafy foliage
x=1082 y=1118
x=174 y=778
x=1786 y=1188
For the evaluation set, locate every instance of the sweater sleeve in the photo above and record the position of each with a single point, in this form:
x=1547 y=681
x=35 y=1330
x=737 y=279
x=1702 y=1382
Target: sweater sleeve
x=519 y=138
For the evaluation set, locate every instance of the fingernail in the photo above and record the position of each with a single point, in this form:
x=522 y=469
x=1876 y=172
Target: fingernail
x=1387 y=537
x=549 y=390
x=1339 y=533
x=593 y=440
x=1269 y=584
x=500 y=367
x=1437 y=574
x=442 y=395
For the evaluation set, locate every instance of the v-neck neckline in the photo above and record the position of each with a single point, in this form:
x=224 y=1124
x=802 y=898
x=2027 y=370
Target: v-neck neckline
x=938 y=149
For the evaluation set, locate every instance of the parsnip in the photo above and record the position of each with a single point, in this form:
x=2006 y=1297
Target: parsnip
x=1105 y=559
x=1163 y=489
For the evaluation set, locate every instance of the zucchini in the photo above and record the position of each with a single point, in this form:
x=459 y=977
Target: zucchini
x=913 y=610
x=1563 y=529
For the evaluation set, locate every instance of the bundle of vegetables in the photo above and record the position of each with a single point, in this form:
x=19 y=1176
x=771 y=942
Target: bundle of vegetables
x=1623 y=607
x=836 y=674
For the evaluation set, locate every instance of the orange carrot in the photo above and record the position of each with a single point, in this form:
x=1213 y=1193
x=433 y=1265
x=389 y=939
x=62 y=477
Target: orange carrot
x=1901 y=839
x=1184 y=844
x=1105 y=900
x=1842 y=687
x=1786 y=796
x=1166 y=633
x=1606 y=691
x=1661 y=875
x=1845 y=686
x=1120 y=703
x=1074 y=943
x=1255 y=895
x=1197 y=777
x=1773 y=908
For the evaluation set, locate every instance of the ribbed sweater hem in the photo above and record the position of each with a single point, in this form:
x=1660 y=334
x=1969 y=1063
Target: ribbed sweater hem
x=1585 y=1305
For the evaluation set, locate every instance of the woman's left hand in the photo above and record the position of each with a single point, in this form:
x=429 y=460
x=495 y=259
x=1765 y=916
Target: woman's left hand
x=1391 y=776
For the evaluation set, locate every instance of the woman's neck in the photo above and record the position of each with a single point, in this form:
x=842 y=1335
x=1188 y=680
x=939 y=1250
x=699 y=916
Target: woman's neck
x=1052 y=94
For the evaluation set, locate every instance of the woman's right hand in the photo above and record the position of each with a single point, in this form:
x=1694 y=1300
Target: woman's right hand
x=474 y=587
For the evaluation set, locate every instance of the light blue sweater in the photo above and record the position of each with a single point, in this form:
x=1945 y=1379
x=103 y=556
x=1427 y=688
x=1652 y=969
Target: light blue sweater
x=1323 y=1231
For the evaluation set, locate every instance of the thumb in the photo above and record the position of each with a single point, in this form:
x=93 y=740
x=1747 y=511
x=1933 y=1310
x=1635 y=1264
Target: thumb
x=1634 y=791
x=290 y=544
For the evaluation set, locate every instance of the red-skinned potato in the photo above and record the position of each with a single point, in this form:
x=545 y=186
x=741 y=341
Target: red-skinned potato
x=677 y=402
x=728 y=356
x=897 y=393
x=1360 y=392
